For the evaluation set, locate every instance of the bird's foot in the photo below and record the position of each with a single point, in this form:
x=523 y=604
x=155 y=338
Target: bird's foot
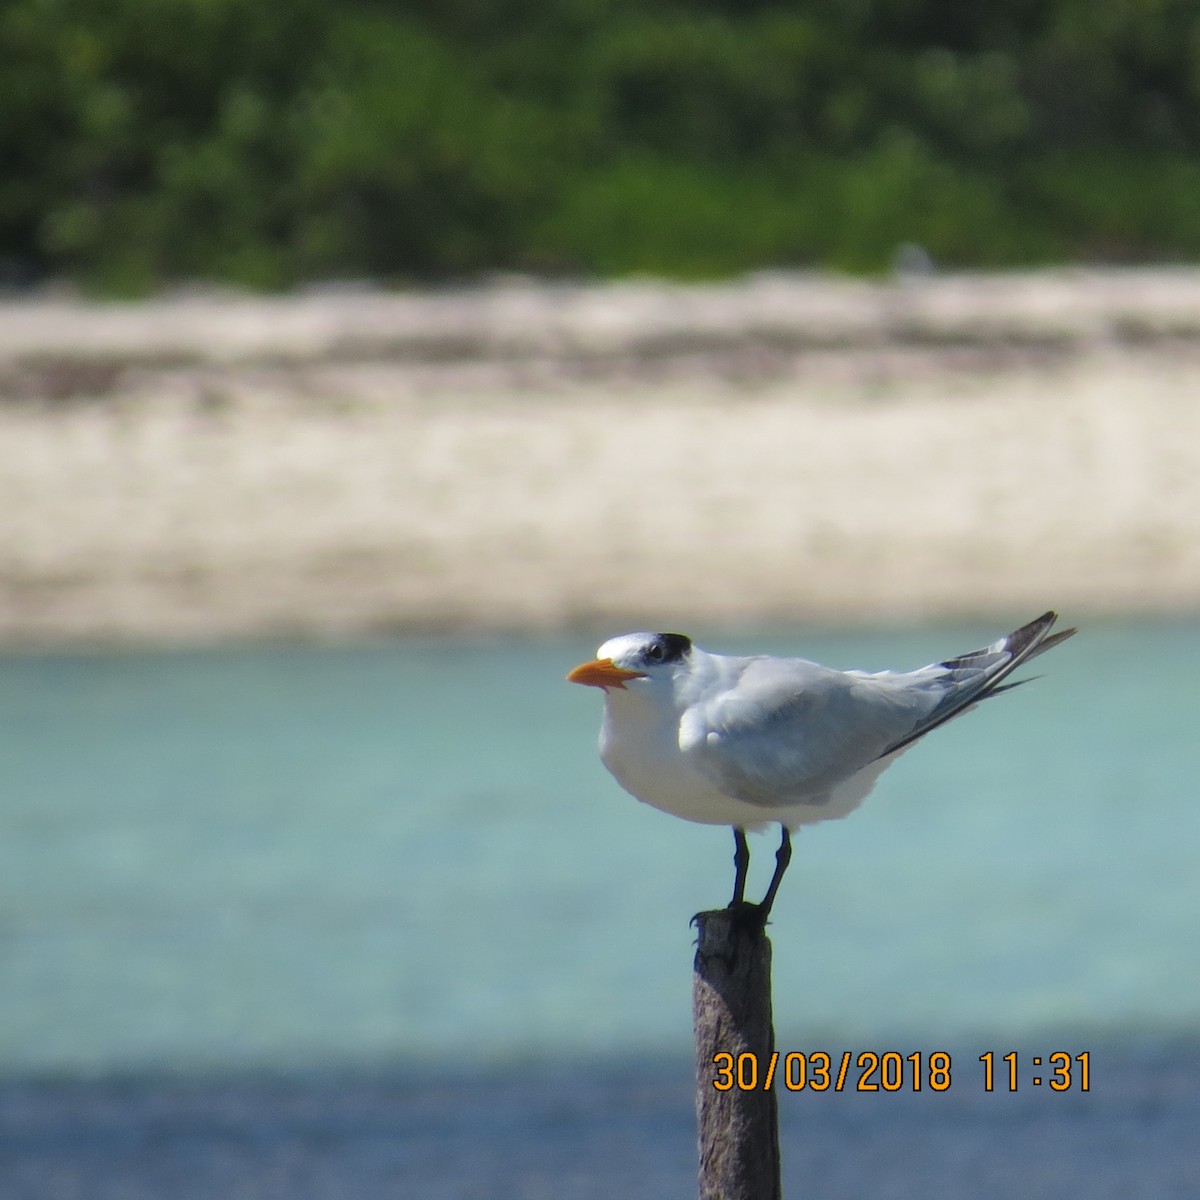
x=751 y=918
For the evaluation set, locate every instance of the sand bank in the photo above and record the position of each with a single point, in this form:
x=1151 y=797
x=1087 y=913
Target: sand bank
x=524 y=457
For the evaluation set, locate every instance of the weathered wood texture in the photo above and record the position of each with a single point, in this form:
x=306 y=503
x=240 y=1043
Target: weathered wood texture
x=731 y=1003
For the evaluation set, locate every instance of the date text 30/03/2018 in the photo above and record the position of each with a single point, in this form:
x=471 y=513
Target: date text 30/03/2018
x=868 y=1071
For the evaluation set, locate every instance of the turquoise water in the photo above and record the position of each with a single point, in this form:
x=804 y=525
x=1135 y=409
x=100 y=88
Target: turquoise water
x=407 y=853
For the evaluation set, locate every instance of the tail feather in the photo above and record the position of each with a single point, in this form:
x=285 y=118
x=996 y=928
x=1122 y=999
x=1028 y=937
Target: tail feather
x=1050 y=642
x=979 y=674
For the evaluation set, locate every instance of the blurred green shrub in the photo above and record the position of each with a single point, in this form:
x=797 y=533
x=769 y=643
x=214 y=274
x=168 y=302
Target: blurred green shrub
x=265 y=142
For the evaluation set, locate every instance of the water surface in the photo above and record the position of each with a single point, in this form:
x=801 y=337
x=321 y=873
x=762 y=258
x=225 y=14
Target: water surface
x=312 y=921
x=408 y=850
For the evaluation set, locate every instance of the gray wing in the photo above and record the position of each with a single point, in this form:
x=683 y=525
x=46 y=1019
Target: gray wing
x=790 y=730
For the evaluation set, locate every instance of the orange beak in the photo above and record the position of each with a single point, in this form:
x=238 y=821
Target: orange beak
x=602 y=673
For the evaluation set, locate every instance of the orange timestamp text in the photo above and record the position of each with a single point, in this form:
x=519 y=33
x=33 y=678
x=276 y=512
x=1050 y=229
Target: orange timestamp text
x=892 y=1071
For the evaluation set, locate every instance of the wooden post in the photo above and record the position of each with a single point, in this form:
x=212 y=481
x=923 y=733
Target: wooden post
x=731 y=1006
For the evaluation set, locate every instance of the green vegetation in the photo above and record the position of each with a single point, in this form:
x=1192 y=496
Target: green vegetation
x=266 y=142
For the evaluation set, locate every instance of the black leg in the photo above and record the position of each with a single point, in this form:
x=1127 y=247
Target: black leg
x=783 y=856
x=741 y=864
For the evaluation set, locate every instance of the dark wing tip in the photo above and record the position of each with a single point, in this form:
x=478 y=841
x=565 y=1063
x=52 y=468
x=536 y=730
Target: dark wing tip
x=1035 y=638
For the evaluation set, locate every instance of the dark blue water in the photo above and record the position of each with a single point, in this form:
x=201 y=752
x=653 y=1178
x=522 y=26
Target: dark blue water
x=592 y=1131
x=304 y=921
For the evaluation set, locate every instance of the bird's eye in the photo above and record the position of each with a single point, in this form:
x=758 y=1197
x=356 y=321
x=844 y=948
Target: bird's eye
x=667 y=647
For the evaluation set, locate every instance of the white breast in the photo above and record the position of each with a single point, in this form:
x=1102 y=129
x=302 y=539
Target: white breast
x=639 y=744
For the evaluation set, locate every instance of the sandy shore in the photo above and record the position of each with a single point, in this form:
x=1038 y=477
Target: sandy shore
x=524 y=457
